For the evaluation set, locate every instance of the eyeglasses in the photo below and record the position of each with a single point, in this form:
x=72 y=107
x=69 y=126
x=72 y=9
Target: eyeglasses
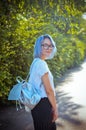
x=46 y=46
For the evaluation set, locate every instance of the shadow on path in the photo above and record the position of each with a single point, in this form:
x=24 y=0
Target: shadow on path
x=67 y=77
x=67 y=109
x=10 y=119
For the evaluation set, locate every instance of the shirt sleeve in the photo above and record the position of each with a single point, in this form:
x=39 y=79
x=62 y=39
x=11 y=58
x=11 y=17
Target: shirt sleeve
x=42 y=68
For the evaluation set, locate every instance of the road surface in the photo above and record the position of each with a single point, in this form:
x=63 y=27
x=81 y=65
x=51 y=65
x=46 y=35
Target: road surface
x=71 y=93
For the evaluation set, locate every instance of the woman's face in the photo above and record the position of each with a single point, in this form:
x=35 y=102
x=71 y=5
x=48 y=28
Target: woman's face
x=47 y=48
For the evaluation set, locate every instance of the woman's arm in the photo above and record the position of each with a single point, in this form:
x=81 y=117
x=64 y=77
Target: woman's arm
x=50 y=94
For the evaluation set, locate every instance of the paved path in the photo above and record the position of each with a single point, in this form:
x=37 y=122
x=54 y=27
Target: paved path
x=71 y=100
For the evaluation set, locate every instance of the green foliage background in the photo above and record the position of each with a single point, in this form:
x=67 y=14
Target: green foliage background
x=21 y=22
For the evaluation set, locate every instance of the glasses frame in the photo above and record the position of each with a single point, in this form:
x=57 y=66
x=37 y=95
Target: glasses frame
x=46 y=46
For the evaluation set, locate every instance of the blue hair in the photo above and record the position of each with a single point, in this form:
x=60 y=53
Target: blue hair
x=38 y=49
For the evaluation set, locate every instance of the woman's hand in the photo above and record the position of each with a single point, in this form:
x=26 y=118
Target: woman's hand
x=55 y=115
x=50 y=95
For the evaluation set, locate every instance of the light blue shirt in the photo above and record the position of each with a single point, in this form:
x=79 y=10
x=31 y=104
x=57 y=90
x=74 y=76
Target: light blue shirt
x=38 y=68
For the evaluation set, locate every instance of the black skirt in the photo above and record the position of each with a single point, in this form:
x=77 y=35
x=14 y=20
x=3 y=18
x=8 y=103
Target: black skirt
x=42 y=116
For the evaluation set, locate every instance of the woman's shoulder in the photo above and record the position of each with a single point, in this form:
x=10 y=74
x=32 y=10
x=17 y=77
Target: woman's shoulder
x=41 y=66
x=40 y=62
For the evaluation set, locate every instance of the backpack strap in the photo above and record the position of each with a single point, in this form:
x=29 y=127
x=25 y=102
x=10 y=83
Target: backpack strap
x=30 y=69
x=19 y=79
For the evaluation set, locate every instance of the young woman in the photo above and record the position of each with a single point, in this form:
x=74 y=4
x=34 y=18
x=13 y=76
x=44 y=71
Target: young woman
x=45 y=113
